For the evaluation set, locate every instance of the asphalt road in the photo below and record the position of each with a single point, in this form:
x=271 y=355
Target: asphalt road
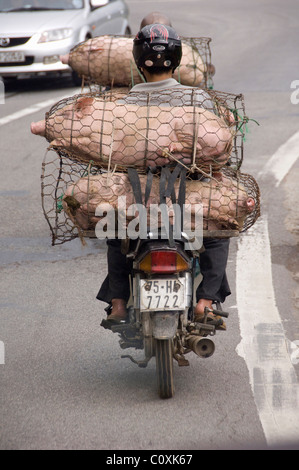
x=63 y=383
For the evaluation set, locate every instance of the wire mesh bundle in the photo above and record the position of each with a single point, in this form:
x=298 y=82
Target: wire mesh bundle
x=231 y=108
x=108 y=61
x=202 y=130
x=72 y=193
x=57 y=173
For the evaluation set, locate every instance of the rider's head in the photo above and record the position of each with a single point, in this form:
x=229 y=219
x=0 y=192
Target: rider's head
x=157 y=49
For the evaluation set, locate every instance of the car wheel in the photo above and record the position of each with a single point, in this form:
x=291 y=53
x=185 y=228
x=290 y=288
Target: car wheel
x=77 y=80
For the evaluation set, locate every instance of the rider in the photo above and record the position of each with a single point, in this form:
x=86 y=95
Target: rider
x=157 y=17
x=157 y=68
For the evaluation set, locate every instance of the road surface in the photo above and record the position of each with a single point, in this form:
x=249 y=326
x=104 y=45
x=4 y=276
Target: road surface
x=63 y=383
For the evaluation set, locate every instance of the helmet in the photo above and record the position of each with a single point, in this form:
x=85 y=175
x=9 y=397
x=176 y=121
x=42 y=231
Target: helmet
x=157 y=46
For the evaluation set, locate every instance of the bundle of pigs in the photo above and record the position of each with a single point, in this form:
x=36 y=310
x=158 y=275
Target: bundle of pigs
x=115 y=133
x=96 y=139
x=76 y=197
x=108 y=61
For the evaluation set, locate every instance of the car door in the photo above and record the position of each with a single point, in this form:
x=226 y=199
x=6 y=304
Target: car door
x=109 y=19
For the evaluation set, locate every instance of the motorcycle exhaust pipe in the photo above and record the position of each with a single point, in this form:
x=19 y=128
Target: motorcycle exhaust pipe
x=203 y=347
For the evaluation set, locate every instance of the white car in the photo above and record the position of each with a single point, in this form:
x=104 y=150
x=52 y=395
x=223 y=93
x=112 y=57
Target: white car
x=34 y=33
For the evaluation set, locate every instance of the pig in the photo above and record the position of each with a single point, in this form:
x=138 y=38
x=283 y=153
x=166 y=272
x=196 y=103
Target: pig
x=108 y=60
x=225 y=201
x=81 y=198
x=114 y=133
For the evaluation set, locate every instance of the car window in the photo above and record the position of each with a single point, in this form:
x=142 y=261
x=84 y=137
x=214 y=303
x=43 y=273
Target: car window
x=33 y=5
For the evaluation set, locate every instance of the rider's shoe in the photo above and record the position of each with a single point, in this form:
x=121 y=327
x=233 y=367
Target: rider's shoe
x=118 y=315
x=210 y=318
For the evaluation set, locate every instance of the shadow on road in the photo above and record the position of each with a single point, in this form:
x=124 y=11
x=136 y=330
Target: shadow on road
x=36 y=84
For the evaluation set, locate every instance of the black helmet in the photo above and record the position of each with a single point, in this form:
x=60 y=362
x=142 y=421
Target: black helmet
x=157 y=46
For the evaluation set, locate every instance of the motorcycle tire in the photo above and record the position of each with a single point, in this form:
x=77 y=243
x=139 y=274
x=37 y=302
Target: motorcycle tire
x=149 y=347
x=164 y=367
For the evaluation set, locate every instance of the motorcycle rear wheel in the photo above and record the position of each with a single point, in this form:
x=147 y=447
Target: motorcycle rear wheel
x=164 y=367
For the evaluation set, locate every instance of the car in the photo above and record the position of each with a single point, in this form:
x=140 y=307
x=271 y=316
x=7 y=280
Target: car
x=34 y=33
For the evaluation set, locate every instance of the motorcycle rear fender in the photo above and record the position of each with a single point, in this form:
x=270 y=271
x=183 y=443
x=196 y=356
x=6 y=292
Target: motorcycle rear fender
x=164 y=324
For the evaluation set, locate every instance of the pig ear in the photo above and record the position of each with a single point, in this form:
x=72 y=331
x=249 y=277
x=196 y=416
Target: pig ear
x=84 y=105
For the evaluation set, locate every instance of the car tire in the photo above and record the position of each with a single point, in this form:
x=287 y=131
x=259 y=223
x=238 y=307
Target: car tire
x=77 y=80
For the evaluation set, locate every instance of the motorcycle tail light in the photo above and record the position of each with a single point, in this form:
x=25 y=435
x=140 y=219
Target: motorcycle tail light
x=163 y=262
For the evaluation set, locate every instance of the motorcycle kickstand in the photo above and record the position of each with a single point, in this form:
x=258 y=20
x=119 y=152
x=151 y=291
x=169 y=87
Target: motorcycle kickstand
x=143 y=363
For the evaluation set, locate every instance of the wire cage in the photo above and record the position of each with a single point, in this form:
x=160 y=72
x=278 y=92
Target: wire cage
x=72 y=193
x=204 y=130
x=108 y=61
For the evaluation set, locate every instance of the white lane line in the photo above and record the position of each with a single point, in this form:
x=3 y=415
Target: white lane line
x=283 y=159
x=264 y=345
x=33 y=109
x=24 y=112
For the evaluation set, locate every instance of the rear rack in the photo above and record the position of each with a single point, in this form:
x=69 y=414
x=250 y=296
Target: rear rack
x=206 y=233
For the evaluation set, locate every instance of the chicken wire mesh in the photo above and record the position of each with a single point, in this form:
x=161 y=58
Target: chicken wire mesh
x=108 y=61
x=203 y=130
x=76 y=196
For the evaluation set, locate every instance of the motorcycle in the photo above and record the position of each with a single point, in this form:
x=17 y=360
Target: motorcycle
x=161 y=318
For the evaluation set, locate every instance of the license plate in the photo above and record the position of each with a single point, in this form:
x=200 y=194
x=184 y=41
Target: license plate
x=162 y=294
x=12 y=57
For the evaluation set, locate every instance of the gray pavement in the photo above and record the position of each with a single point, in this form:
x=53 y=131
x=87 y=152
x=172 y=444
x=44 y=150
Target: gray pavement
x=63 y=384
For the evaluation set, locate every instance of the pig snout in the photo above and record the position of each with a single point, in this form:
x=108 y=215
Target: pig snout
x=64 y=58
x=38 y=128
